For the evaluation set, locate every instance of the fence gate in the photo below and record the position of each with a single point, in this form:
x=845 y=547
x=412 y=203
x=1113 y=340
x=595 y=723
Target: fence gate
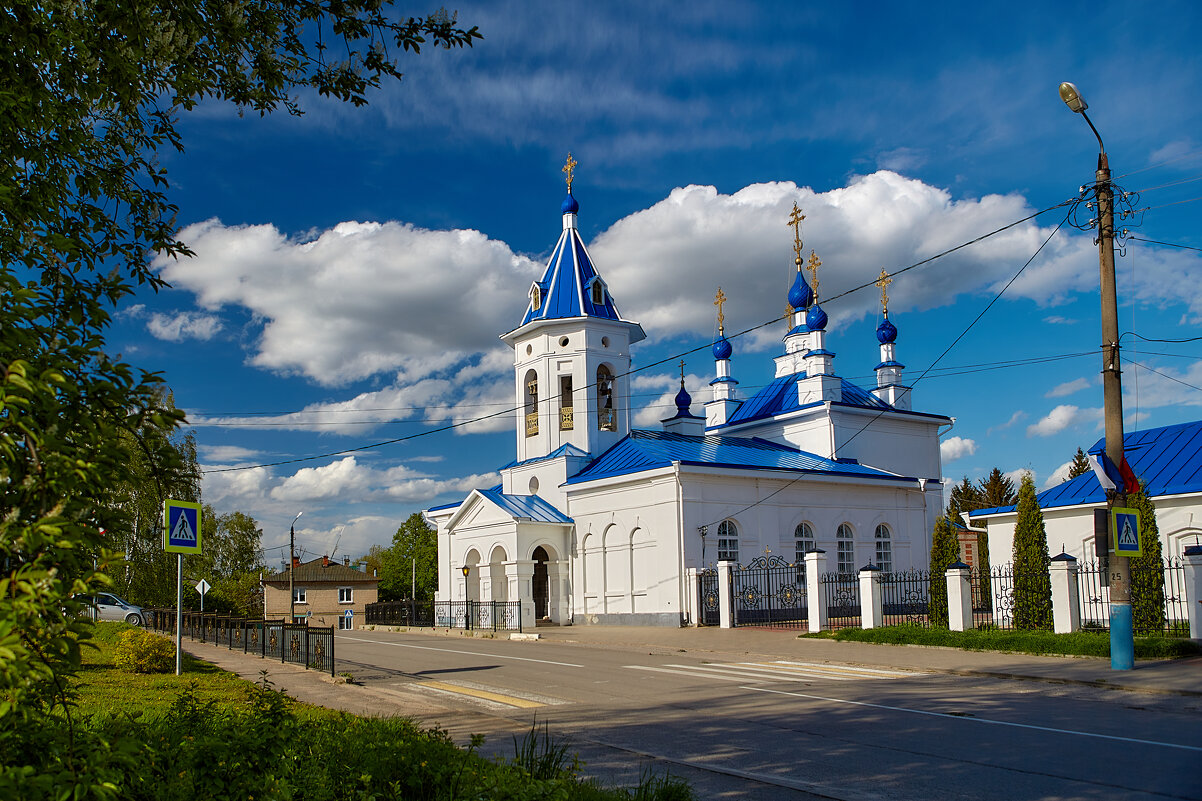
x=769 y=591
x=707 y=597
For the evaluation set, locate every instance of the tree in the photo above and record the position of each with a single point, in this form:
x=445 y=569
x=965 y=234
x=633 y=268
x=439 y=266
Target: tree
x=1147 y=571
x=965 y=497
x=1080 y=465
x=996 y=490
x=92 y=94
x=414 y=540
x=944 y=551
x=231 y=561
x=1032 y=584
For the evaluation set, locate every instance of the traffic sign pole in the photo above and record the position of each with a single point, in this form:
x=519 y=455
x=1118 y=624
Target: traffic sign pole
x=179 y=610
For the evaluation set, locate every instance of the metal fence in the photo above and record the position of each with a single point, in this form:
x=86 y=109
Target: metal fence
x=906 y=598
x=479 y=615
x=842 y=592
x=399 y=613
x=1173 y=615
x=298 y=643
x=708 y=601
x=769 y=591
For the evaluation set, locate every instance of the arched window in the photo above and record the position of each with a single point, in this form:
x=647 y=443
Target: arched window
x=531 y=403
x=536 y=298
x=884 y=549
x=607 y=416
x=598 y=294
x=728 y=541
x=845 y=550
x=803 y=542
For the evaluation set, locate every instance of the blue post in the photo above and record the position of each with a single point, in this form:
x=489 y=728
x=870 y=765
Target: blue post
x=1122 y=643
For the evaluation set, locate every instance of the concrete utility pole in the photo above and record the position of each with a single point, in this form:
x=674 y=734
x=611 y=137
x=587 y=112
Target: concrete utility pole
x=1122 y=642
x=292 y=568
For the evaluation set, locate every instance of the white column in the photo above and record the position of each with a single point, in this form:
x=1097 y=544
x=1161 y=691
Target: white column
x=1193 y=589
x=1066 y=595
x=959 y=596
x=871 y=605
x=692 y=592
x=726 y=617
x=559 y=590
x=815 y=567
x=520 y=575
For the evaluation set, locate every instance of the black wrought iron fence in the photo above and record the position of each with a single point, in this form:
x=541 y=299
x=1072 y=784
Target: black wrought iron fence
x=768 y=591
x=299 y=643
x=399 y=613
x=906 y=598
x=1163 y=611
x=708 y=601
x=842 y=592
x=472 y=615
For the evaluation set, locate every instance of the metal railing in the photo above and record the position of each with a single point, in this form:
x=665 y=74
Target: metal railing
x=298 y=643
x=770 y=592
x=906 y=598
x=479 y=615
x=1164 y=613
x=566 y=418
x=531 y=424
x=399 y=613
x=842 y=591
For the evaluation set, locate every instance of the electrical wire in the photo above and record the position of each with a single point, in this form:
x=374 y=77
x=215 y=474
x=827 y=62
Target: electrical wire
x=1166 y=244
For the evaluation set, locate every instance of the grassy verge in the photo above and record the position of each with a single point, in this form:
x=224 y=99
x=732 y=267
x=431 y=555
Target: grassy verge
x=210 y=735
x=1081 y=643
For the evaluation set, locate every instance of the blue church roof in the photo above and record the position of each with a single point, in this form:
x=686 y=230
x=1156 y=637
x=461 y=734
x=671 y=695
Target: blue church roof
x=780 y=397
x=646 y=450
x=526 y=507
x=566 y=285
x=1168 y=461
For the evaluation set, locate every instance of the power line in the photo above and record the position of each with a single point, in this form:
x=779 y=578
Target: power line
x=1166 y=244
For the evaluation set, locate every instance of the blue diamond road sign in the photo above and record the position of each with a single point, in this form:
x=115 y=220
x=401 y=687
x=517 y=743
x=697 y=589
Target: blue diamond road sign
x=182 y=527
x=1126 y=532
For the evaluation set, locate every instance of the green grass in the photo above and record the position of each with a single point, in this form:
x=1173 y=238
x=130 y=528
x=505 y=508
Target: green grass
x=1081 y=643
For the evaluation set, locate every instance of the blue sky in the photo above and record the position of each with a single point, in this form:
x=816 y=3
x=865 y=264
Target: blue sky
x=354 y=267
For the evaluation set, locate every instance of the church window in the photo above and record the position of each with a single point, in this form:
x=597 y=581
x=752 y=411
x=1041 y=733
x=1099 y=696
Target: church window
x=598 y=294
x=536 y=298
x=607 y=416
x=728 y=541
x=845 y=550
x=566 y=420
x=803 y=543
x=884 y=549
x=531 y=403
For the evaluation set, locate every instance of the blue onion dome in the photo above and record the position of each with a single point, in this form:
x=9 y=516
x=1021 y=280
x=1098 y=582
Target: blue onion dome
x=886 y=332
x=569 y=206
x=815 y=318
x=800 y=294
x=683 y=400
x=722 y=348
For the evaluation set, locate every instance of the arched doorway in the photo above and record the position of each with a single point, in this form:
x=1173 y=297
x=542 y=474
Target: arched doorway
x=541 y=587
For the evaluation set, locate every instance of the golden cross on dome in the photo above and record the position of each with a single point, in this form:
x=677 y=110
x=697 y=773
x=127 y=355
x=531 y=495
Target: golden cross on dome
x=719 y=300
x=795 y=219
x=883 y=282
x=788 y=315
x=568 y=167
x=813 y=266
x=682 y=372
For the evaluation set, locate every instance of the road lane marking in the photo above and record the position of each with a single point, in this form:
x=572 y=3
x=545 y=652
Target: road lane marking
x=750 y=672
x=865 y=672
x=486 y=695
x=781 y=670
x=454 y=651
x=739 y=679
x=990 y=721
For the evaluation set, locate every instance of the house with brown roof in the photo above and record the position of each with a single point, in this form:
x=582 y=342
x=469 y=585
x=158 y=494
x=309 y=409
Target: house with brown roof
x=326 y=593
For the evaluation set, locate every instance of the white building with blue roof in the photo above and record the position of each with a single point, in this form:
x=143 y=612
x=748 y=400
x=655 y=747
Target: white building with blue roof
x=1167 y=461
x=596 y=522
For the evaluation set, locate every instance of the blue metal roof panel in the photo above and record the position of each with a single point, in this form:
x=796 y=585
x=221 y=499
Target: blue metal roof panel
x=644 y=450
x=563 y=450
x=527 y=507
x=780 y=397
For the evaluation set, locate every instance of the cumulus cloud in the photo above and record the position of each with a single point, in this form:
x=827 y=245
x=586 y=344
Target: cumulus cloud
x=1016 y=476
x=654 y=397
x=1058 y=476
x=1067 y=388
x=347 y=478
x=227 y=454
x=178 y=326
x=1014 y=418
x=954 y=448
x=1062 y=417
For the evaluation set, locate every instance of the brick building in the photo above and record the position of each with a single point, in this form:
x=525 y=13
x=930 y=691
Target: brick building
x=327 y=593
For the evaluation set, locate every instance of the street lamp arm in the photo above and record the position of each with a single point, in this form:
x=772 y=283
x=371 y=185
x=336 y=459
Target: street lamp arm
x=1101 y=147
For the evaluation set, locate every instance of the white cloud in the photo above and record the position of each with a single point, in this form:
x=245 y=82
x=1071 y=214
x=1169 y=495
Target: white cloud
x=654 y=397
x=1062 y=417
x=227 y=454
x=348 y=480
x=1014 y=418
x=1067 y=388
x=181 y=325
x=1057 y=319
x=953 y=448
x=1016 y=476
x=1058 y=476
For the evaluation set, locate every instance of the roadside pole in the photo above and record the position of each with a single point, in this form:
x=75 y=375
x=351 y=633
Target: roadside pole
x=181 y=535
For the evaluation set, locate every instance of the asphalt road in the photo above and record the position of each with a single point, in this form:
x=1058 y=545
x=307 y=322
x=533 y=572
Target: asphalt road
x=782 y=729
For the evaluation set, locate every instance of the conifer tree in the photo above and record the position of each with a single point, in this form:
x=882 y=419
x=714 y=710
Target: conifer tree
x=944 y=551
x=1032 y=584
x=1147 y=571
x=1080 y=465
x=996 y=490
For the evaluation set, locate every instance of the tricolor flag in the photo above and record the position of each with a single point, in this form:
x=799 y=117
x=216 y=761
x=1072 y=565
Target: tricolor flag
x=1119 y=478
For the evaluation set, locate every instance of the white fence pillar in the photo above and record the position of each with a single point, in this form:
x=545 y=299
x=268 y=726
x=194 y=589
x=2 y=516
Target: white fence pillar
x=726 y=616
x=1193 y=589
x=959 y=596
x=871 y=605
x=815 y=600
x=692 y=592
x=1066 y=595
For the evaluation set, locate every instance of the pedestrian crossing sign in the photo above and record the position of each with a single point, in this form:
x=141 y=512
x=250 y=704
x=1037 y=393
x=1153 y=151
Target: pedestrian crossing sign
x=1125 y=525
x=181 y=533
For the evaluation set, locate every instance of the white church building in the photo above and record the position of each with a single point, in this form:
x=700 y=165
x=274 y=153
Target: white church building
x=596 y=522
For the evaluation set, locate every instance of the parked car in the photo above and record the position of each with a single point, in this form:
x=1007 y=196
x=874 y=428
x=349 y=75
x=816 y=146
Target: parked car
x=113 y=607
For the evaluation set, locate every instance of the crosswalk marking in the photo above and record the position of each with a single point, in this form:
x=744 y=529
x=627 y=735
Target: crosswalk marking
x=781 y=670
x=487 y=695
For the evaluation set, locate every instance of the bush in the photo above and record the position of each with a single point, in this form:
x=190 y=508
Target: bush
x=139 y=651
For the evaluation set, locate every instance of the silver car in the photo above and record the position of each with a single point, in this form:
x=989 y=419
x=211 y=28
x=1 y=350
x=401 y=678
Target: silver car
x=113 y=607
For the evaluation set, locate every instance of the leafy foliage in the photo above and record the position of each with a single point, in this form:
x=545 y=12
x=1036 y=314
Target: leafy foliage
x=1147 y=571
x=944 y=551
x=415 y=539
x=1032 y=584
x=139 y=651
x=91 y=94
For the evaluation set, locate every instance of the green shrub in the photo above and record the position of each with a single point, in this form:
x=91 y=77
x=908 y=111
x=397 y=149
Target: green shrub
x=139 y=651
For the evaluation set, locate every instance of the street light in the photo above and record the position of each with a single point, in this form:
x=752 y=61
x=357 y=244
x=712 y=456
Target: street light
x=1122 y=643
x=292 y=568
